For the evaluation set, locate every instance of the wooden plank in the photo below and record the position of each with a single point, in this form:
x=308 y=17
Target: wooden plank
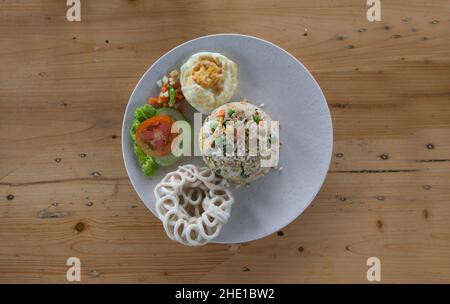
x=64 y=191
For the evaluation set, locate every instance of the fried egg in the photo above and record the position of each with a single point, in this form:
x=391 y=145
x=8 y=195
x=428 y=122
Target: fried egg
x=208 y=80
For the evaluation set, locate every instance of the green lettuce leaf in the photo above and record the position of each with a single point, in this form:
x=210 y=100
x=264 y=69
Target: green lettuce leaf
x=145 y=112
x=134 y=125
x=148 y=164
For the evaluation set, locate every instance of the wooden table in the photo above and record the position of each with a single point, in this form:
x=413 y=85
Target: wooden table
x=64 y=190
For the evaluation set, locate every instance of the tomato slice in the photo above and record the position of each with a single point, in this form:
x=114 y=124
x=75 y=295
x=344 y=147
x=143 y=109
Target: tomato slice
x=154 y=135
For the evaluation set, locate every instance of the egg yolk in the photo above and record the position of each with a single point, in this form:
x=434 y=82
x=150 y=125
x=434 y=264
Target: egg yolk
x=207 y=72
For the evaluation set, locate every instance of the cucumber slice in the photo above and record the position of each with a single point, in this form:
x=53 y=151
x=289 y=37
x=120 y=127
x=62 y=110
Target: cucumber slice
x=167 y=160
x=170 y=159
x=176 y=115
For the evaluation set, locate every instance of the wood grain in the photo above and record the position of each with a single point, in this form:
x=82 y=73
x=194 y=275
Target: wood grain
x=64 y=190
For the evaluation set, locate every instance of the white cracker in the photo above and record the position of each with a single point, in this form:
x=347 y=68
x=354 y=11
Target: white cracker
x=193 y=204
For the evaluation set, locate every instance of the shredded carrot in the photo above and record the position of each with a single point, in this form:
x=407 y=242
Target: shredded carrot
x=221 y=113
x=153 y=101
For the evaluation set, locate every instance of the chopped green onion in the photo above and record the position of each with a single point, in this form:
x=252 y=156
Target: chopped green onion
x=171 y=96
x=256 y=118
x=213 y=124
x=231 y=112
x=218 y=141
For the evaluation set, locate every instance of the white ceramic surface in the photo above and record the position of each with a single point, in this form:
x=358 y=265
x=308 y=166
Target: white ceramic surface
x=270 y=75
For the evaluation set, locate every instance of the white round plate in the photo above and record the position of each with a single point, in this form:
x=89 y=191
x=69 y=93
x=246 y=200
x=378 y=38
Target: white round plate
x=266 y=74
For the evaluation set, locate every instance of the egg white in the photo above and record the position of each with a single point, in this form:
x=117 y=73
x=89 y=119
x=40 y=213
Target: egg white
x=206 y=100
